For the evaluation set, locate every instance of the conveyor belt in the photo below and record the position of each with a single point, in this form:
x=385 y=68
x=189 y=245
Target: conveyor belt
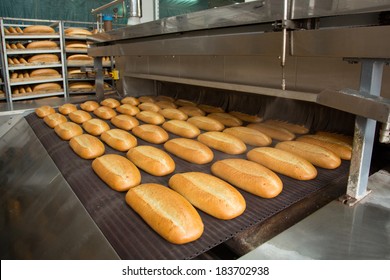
x=127 y=232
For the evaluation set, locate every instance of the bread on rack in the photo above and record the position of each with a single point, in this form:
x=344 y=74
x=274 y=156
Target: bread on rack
x=82 y=57
x=38 y=58
x=81 y=86
x=76 y=45
x=47 y=87
x=38 y=29
x=12 y=30
x=77 y=31
x=45 y=72
x=43 y=44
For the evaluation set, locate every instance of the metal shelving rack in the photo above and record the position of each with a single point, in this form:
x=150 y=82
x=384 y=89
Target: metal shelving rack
x=21 y=37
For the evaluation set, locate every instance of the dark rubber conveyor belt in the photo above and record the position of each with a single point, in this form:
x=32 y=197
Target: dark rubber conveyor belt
x=130 y=236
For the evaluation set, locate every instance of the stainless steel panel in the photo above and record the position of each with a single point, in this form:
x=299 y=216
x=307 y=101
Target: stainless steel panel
x=337 y=231
x=202 y=67
x=167 y=64
x=319 y=8
x=250 y=43
x=369 y=42
x=233 y=15
x=41 y=216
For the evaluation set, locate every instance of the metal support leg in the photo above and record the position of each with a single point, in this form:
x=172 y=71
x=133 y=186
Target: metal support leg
x=370 y=83
x=99 y=79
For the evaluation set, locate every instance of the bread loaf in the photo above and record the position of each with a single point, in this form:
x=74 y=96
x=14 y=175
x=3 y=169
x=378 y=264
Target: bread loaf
x=119 y=139
x=83 y=57
x=149 y=99
x=95 y=127
x=43 y=111
x=315 y=154
x=206 y=123
x=226 y=119
x=44 y=44
x=192 y=111
x=79 y=116
x=340 y=148
x=294 y=128
x=54 y=119
x=15 y=60
x=76 y=44
x=166 y=212
x=110 y=102
x=12 y=30
x=151 y=133
x=249 y=176
x=210 y=109
x=128 y=109
x=166 y=104
x=148 y=106
x=151 y=160
x=13 y=46
x=43 y=58
x=68 y=130
x=87 y=146
x=209 y=194
x=190 y=150
x=249 y=136
x=173 y=114
x=341 y=137
x=150 y=117
x=67 y=108
x=124 y=122
x=246 y=117
x=45 y=72
x=89 y=106
x=117 y=172
x=223 y=142
x=81 y=86
x=22 y=60
x=28 y=89
x=181 y=128
x=14 y=75
x=39 y=29
x=20 y=46
x=77 y=31
x=130 y=100
x=47 y=87
x=275 y=132
x=105 y=112
x=6 y=31
x=283 y=162
x=184 y=102
x=19 y=30
x=165 y=98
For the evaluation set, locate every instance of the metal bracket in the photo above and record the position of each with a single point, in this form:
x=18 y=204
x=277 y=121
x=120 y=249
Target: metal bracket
x=351 y=201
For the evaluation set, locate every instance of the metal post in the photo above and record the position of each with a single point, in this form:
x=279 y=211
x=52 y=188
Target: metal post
x=99 y=79
x=370 y=83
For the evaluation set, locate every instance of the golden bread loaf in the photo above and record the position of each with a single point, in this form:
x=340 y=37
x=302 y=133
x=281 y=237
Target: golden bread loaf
x=184 y=102
x=43 y=58
x=226 y=119
x=81 y=85
x=223 y=142
x=150 y=117
x=249 y=136
x=39 y=29
x=67 y=108
x=209 y=194
x=166 y=212
x=246 y=117
x=42 y=44
x=151 y=133
x=110 y=102
x=166 y=104
x=68 y=130
x=130 y=100
x=45 y=72
x=165 y=98
x=173 y=114
x=54 y=119
x=87 y=146
x=181 y=128
x=146 y=98
x=210 y=109
x=292 y=127
x=89 y=106
x=148 y=106
x=83 y=57
x=249 y=176
x=341 y=137
x=43 y=111
x=128 y=109
x=124 y=122
x=95 y=127
x=151 y=160
x=206 y=123
x=192 y=111
x=190 y=150
x=117 y=172
x=77 y=31
x=339 y=147
x=275 y=132
x=79 y=116
x=119 y=139
x=47 y=87
x=105 y=112
x=315 y=154
x=283 y=162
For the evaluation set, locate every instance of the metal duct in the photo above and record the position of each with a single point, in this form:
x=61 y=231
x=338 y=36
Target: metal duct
x=135 y=11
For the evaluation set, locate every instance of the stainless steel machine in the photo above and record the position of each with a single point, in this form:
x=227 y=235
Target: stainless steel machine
x=318 y=63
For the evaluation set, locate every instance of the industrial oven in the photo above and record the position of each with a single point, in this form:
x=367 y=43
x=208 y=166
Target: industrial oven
x=322 y=64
